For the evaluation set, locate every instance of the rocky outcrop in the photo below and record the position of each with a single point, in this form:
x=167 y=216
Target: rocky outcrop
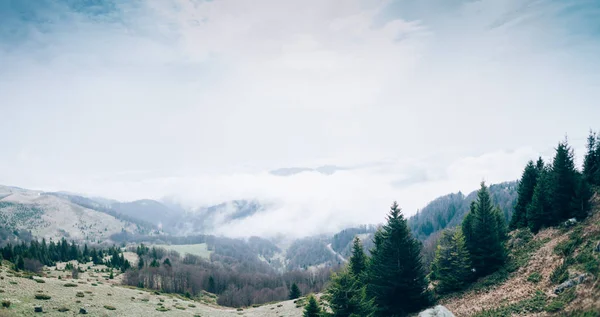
x=570 y=283
x=437 y=311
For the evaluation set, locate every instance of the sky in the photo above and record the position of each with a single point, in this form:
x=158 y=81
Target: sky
x=208 y=101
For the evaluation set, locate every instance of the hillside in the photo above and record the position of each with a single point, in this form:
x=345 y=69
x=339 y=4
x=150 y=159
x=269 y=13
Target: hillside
x=99 y=296
x=542 y=262
x=52 y=217
x=448 y=211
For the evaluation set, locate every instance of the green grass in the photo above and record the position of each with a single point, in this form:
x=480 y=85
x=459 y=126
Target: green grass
x=534 y=304
x=561 y=301
x=200 y=250
x=534 y=277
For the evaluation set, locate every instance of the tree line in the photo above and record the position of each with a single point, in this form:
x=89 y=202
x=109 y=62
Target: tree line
x=33 y=255
x=550 y=193
x=237 y=284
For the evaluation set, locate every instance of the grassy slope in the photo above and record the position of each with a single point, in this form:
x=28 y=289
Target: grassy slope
x=529 y=290
x=99 y=292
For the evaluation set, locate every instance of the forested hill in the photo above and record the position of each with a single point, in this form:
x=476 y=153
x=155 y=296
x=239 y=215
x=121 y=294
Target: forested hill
x=448 y=211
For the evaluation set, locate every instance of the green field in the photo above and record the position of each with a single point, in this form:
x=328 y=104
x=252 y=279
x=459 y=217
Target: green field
x=200 y=250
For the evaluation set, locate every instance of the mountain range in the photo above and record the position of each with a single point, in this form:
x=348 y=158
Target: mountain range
x=53 y=215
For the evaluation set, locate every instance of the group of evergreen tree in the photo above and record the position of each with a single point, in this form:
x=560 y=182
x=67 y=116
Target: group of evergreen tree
x=549 y=194
x=391 y=282
x=61 y=251
x=475 y=249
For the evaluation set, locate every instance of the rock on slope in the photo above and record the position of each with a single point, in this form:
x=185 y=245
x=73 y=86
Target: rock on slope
x=49 y=216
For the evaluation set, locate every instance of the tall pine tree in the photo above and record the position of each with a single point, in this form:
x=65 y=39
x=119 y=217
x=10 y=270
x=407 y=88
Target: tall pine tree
x=395 y=275
x=525 y=194
x=485 y=239
x=591 y=161
x=563 y=183
x=539 y=210
x=358 y=260
x=452 y=264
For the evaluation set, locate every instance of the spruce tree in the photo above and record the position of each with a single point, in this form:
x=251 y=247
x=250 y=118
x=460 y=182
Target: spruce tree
x=346 y=294
x=591 y=161
x=452 y=264
x=539 y=211
x=467 y=227
x=312 y=308
x=581 y=204
x=358 y=260
x=525 y=194
x=563 y=183
x=295 y=291
x=501 y=223
x=485 y=242
x=141 y=263
x=395 y=275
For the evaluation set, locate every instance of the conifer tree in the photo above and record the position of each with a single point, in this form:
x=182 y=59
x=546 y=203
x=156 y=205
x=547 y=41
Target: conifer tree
x=485 y=243
x=591 y=161
x=211 y=285
x=580 y=204
x=501 y=223
x=467 y=227
x=452 y=264
x=295 y=292
x=346 y=294
x=539 y=210
x=395 y=275
x=312 y=308
x=525 y=194
x=358 y=260
x=563 y=183
x=141 y=263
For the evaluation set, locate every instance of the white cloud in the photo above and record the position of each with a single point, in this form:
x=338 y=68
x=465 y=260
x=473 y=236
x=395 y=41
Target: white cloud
x=201 y=98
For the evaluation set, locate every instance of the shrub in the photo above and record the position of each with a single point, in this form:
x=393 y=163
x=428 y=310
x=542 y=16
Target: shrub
x=6 y=303
x=535 y=277
x=191 y=305
x=39 y=281
x=560 y=273
x=42 y=296
x=63 y=309
x=13 y=282
x=529 y=305
x=70 y=285
x=79 y=294
x=161 y=308
x=110 y=307
x=180 y=307
x=561 y=301
x=567 y=247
